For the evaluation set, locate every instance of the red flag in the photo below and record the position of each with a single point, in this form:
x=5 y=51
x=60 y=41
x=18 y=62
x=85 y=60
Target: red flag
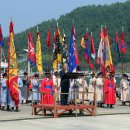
x=117 y=49
x=48 y=40
x=75 y=48
x=1 y=38
x=123 y=46
x=31 y=50
x=93 y=53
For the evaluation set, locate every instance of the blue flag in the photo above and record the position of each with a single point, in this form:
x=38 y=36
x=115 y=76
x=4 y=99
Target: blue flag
x=87 y=54
x=117 y=43
x=72 y=59
x=1 y=38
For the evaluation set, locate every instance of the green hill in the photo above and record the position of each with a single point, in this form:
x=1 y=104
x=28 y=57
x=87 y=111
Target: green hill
x=114 y=16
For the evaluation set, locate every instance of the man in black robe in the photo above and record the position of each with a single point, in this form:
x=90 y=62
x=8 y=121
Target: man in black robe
x=65 y=84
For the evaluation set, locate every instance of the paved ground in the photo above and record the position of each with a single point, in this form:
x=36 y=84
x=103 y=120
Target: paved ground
x=111 y=122
x=106 y=119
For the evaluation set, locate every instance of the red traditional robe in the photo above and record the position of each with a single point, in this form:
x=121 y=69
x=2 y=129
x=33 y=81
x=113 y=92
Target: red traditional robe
x=47 y=86
x=109 y=90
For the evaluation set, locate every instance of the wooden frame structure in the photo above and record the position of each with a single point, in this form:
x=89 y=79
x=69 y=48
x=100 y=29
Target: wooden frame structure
x=57 y=109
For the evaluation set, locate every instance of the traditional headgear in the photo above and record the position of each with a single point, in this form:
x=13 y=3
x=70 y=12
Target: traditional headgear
x=56 y=72
x=125 y=75
x=36 y=75
x=100 y=73
x=25 y=73
x=4 y=74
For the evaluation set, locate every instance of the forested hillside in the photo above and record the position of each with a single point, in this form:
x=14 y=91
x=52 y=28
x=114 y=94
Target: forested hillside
x=113 y=16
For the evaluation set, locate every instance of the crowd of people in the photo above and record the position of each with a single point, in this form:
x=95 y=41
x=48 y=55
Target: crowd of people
x=66 y=89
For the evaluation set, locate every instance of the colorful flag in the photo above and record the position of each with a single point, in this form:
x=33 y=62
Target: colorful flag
x=123 y=45
x=101 y=53
x=1 y=38
x=65 y=52
x=108 y=58
x=48 y=40
x=93 y=53
x=57 y=34
x=38 y=53
x=73 y=54
x=12 y=67
x=31 y=50
x=56 y=49
x=87 y=54
x=117 y=43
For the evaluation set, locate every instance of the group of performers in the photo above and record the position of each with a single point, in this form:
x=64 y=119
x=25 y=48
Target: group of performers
x=66 y=89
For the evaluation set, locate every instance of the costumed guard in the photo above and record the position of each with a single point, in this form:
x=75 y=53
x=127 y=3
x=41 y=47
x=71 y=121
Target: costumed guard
x=35 y=89
x=4 y=90
x=82 y=88
x=56 y=81
x=65 y=84
x=91 y=88
x=12 y=103
x=124 y=84
x=20 y=85
x=110 y=91
x=99 y=89
x=47 y=87
x=25 y=88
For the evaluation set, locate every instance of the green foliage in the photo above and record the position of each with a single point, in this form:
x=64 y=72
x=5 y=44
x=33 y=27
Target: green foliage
x=113 y=16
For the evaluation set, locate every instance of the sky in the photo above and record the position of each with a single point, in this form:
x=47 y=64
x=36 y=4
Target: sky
x=27 y=13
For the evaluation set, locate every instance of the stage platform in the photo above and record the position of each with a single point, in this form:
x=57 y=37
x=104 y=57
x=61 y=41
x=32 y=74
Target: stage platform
x=57 y=110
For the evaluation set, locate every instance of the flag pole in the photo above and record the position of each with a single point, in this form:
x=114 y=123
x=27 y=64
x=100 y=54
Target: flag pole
x=29 y=69
x=115 y=59
x=122 y=56
x=104 y=52
x=93 y=59
x=57 y=45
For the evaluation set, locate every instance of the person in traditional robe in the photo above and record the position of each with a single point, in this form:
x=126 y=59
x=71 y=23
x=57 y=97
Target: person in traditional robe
x=4 y=91
x=91 y=88
x=56 y=81
x=99 y=89
x=47 y=87
x=109 y=90
x=82 y=88
x=25 y=89
x=124 y=84
x=35 y=89
x=12 y=105
x=65 y=84
x=20 y=85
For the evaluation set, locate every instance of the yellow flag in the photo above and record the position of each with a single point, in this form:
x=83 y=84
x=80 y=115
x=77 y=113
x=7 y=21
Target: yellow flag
x=12 y=68
x=38 y=54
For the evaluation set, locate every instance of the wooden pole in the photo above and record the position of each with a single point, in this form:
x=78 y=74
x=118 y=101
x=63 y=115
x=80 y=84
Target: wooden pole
x=122 y=57
x=95 y=103
x=115 y=53
x=32 y=104
x=55 y=113
x=93 y=59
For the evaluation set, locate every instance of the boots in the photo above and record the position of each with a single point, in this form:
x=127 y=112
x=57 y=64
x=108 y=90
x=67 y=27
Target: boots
x=17 y=109
x=8 y=108
x=12 y=109
x=3 y=107
x=111 y=106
